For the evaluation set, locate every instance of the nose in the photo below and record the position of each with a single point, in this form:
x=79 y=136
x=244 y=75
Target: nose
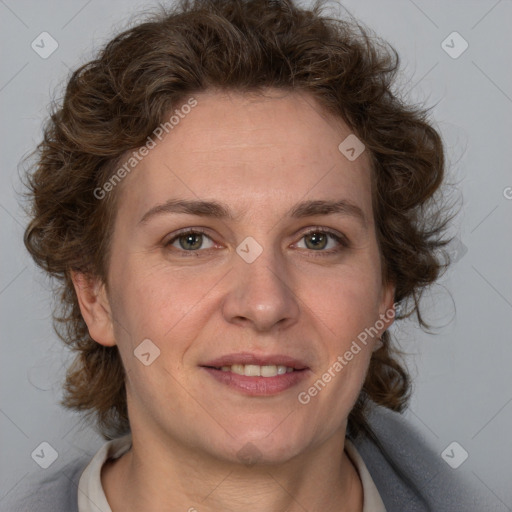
x=261 y=295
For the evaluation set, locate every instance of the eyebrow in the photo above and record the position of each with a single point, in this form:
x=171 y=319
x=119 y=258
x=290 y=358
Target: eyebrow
x=218 y=210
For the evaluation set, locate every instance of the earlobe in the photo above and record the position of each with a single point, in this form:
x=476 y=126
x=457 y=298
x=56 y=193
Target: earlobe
x=95 y=307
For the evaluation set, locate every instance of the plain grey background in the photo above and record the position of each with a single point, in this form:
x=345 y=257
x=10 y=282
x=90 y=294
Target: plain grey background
x=462 y=375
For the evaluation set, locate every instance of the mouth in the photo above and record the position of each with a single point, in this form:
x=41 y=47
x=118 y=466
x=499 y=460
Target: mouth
x=254 y=370
x=257 y=375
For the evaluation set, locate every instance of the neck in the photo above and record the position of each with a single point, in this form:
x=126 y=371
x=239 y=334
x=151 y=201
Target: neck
x=151 y=476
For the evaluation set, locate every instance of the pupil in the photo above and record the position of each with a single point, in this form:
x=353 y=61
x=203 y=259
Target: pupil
x=317 y=239
x=189 y=239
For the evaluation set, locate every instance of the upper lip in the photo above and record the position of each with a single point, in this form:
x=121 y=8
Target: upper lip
x=260 y=360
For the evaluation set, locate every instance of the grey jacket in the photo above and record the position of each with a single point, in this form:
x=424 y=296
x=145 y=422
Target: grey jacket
x=410 y=476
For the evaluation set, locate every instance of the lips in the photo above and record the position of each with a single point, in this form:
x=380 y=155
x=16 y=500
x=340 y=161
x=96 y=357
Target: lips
x=257 y=375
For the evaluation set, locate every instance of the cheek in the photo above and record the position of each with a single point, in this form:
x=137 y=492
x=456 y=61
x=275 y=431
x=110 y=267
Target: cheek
x=154 y=394
x=346 y=309
x=346 y=301
x=151 y=300
x=161 y=313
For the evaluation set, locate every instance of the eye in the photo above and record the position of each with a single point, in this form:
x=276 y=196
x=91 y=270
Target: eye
x=319 y=239
x=190 y=240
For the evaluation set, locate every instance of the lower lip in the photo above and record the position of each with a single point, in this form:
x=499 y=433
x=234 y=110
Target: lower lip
x=258 y=386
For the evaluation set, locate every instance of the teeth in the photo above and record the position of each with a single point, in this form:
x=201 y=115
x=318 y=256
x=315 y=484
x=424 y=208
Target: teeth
x=254 y=370
x=281 y=370
x=238 y=369
x=269 y=371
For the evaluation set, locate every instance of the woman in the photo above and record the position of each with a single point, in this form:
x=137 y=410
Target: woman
x=235 y=202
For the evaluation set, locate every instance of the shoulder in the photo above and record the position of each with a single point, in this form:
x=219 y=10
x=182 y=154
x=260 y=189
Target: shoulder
x=408 y=472
x=54 y=491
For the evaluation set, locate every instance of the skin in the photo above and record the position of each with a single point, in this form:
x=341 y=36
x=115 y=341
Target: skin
x=259 y=155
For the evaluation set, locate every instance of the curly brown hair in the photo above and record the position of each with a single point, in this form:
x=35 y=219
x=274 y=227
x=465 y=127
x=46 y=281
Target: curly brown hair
x=113 y=103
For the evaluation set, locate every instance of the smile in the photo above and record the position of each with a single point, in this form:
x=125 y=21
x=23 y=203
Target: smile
x=254 y=370
x=254 y=380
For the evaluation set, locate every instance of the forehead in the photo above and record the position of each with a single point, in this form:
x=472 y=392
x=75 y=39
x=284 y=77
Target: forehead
x=241 y=148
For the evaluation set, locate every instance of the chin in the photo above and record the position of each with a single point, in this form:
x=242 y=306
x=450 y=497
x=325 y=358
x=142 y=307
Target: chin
x=262 y=446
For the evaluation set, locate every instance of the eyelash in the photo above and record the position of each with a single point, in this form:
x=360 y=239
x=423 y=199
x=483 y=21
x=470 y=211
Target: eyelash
x=342 y=240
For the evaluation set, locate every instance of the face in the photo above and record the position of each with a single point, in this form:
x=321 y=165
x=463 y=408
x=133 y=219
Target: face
x=276 y=285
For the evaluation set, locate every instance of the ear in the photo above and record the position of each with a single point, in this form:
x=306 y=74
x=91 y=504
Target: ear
x=95 y=307
x=387 y=306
